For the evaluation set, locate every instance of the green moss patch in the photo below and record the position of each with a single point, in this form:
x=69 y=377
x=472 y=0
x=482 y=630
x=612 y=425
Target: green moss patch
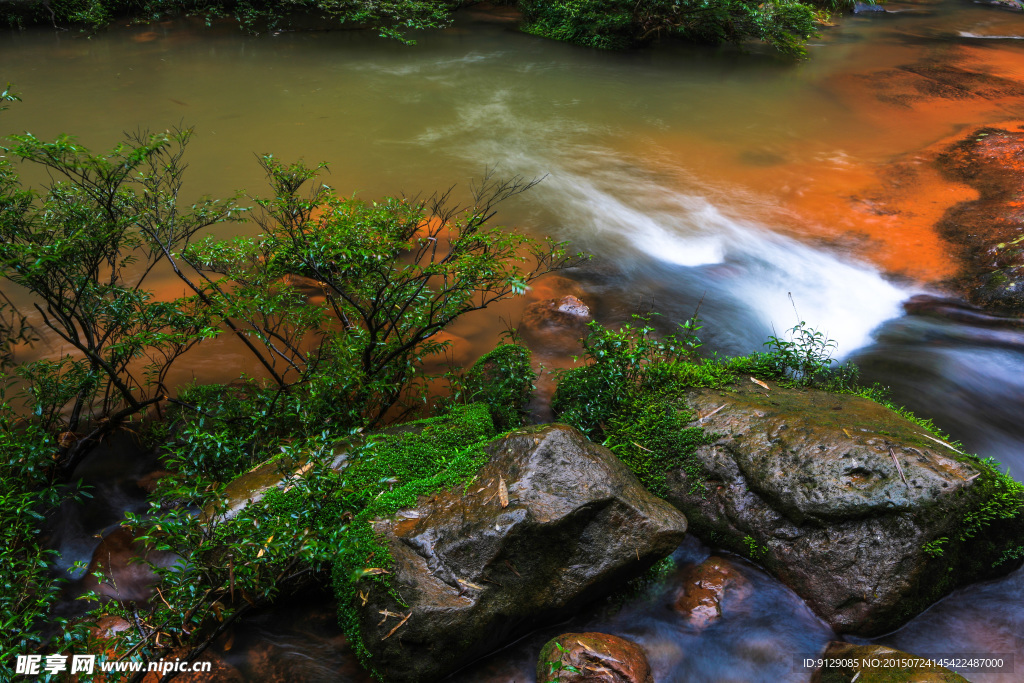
x=391 y=473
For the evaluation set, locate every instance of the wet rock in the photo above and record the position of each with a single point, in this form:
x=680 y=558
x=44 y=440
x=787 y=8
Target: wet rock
x=987 y=231
x=458 y=353
x=705 y=587
x=928 y=82
x=474 y=574
x=148 y=482
x=866 y=8
x=555 y=323
x=1011 y=5
x=855 y=663
x=806 y=483
x=109 y=626
x=597 y=658
x=958 y=311
x=123 y=562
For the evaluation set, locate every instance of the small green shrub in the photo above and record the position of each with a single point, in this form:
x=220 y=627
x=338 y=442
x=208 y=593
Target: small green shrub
x=618 y=362
x=754 y=549
x=503 y=380
x=629 y=396
x=934 y=548
x=804 y=352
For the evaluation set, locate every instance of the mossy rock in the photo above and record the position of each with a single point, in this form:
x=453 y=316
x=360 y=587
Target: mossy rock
x=863 y=512
x=549 y=522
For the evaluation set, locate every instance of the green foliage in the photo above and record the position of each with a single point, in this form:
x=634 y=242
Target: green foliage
x=392 y=274
x=221 y=432
x=27 y=494
x=1002 y=499
x=418 y=450
x=804 y=353
x=629 y=396
x=619 y=360
x=754 y=549
x=503 y=380
x=1011 y=554
x=227 y=566
x=650 y=435
x=85 y=249
x=391 y=18
x=554 y=667
x=934 y=548
x=616 y=24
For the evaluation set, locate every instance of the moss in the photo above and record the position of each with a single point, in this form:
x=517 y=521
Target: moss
x=417 y=450
x=998 y=497
x=503 y=380
x=391 y=472
x=652 y=438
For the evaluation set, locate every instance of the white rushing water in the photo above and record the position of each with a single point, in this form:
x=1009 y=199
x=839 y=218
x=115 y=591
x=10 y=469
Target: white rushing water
x=688 y=238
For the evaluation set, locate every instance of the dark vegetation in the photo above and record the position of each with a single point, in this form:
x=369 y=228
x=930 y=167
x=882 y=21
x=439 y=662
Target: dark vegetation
x=607 y=24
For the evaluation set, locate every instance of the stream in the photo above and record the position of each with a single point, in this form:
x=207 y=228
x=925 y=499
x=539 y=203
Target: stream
x=765 y=192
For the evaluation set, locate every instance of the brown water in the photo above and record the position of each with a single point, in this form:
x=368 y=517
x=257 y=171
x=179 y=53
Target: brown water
x=689 y=173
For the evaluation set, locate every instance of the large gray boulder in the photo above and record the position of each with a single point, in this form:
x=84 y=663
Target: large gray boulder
x=806 y=483
x=551 y=522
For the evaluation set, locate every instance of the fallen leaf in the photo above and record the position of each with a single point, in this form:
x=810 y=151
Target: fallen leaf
x=502 y=492
x=703 y=416
x=943 y=443
x=760 y=383
x=398 y=626
x=847 y=432
x=373 y=571
x=898 y=468
x=264 y=548
x=387 y=613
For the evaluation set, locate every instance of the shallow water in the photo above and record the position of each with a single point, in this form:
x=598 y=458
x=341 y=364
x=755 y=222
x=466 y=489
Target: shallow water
x=769 y=192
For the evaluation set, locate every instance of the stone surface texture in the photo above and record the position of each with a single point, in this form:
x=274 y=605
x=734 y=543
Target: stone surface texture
x=474 y=574
x=806 y=483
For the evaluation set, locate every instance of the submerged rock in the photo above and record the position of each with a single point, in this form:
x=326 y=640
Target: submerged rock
x=705 y=587
x=555 y=323
x=120 y=567
x=867 y=8
x=551 y=522
x=860 y=511
x=988 y=231
x=593 y=658
x=853 y=662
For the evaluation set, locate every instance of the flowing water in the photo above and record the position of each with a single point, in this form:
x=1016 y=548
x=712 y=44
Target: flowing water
x=746 y=183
